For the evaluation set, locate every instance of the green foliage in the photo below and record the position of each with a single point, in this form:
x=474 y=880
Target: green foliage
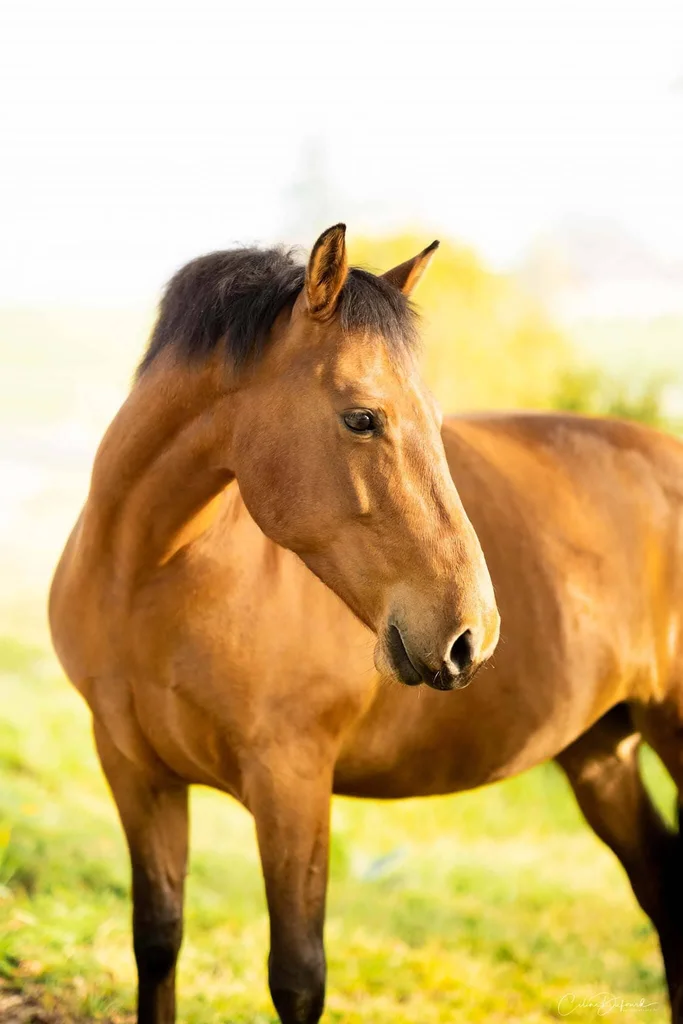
x=591 y=391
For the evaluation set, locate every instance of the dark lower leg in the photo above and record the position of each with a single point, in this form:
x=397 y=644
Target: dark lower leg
x=157 y=935
x=296 y=978
x=602 y=767
x=293 y=829
x=153 y=811
x=662 y=727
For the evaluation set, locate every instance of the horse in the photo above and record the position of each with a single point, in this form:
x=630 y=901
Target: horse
x=280 y=529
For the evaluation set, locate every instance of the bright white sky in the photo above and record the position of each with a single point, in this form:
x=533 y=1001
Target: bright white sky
x=136 y=134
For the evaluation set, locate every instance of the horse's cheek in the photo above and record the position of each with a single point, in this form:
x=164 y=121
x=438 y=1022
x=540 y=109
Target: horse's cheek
x=274 y=491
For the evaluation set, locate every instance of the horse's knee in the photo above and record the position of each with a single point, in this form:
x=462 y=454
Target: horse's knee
x=297 y=986
x=156 y=945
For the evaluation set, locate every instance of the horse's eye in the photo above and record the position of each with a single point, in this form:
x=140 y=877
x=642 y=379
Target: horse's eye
x=360 y=421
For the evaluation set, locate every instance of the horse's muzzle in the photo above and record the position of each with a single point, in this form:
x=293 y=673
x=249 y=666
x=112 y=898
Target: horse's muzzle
x=456 y=670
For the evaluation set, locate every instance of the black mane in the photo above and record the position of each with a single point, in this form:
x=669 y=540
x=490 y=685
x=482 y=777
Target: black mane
x=237 y=294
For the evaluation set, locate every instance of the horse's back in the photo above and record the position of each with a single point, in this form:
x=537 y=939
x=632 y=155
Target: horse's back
x=590 y=451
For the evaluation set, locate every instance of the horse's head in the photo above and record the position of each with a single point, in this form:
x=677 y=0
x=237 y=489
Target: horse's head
x=340 y=459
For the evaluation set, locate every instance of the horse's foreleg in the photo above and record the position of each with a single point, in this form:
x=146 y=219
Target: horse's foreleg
x=289 y=796
x=153 y=811
x=602 y=767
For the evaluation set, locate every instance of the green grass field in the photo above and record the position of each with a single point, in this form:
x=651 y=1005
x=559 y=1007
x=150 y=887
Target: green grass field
x=493 y=906
x=487 y=906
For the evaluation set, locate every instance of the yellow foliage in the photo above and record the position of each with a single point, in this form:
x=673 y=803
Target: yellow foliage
x=487 y=344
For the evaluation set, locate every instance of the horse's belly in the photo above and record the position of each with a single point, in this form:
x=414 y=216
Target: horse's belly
x=420 y=742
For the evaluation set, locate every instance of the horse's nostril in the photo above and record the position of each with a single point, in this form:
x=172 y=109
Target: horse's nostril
x=462 y=651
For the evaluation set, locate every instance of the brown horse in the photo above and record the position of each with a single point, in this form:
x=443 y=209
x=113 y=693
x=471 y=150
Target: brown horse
x=274 y=491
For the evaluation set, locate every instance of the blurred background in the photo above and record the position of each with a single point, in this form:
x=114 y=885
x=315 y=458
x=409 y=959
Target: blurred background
x=542 y=142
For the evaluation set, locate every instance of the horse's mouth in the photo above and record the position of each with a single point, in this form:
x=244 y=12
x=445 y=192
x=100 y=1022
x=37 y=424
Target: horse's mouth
x=401 y=663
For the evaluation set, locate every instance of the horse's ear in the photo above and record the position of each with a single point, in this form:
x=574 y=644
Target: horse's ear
x=326 y=272
x=406 y=275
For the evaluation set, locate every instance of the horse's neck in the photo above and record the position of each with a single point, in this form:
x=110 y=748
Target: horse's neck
x=160 y=466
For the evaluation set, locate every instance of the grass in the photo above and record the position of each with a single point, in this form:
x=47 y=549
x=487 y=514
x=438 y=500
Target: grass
x=488 y=906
